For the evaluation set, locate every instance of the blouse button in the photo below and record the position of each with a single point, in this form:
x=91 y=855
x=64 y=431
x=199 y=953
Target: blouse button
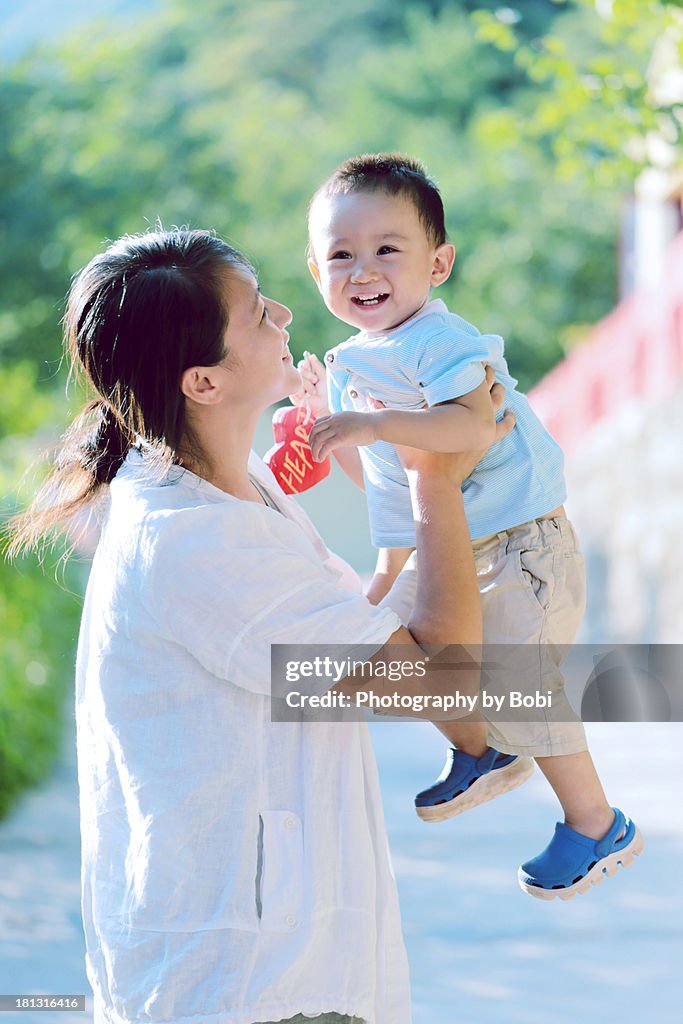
x=353 y=394
x=290 y=822
x=290 y=921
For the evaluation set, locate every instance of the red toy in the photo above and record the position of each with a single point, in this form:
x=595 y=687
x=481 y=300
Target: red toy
x=290 y=458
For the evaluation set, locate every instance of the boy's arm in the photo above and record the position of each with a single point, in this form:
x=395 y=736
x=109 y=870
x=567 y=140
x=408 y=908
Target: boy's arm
x=462 y=424
x=313 y=393
x=349 y=460
x=390 y=561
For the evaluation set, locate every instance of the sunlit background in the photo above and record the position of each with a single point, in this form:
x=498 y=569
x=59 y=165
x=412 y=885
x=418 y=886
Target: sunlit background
x=554 y=132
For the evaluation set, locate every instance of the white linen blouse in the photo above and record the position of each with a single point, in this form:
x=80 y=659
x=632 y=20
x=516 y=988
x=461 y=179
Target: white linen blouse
x=189 y=793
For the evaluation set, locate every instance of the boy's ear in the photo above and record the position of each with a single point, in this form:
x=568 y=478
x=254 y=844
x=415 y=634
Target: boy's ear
x=444 y=257
x=315 y=271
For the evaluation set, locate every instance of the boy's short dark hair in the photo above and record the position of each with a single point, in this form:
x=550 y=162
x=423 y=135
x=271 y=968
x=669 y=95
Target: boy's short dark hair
x=395 y=174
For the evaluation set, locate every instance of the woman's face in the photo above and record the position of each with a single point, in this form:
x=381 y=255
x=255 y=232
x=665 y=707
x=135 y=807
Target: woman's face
x=256 y=341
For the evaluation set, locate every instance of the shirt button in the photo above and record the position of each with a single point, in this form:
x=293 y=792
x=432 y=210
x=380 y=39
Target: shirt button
x=290 y=822
x=329 y=358
x=290 y=921
x=353 y=394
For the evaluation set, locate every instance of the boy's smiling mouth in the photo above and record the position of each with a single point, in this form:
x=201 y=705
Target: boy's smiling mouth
x=375 y=299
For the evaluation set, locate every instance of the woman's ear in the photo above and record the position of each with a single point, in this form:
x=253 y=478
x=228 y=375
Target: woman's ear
x=202 y=384
x=444 y=258
x=315 y=271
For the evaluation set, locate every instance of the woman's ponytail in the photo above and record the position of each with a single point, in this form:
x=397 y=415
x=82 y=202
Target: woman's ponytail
x=90 y=454
x=103 y=448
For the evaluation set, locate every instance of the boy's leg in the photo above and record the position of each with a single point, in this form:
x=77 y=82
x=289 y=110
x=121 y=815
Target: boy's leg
x=532 y=587
x=470 y=737
x=544 y=573
x=578 y=788
x=548 y=566
x=474 y=772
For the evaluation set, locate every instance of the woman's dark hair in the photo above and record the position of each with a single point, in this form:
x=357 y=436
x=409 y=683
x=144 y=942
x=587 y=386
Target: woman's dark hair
x=138 y=315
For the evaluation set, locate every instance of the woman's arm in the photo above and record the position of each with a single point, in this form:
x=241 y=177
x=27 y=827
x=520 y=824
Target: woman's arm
x=447 y=604
x=447 y=610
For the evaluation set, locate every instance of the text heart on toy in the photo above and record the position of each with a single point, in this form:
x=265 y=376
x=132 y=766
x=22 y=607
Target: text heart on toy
x=290 y=459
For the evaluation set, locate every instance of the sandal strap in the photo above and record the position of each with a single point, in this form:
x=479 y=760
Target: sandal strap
x=606 y=845
x=487 y=760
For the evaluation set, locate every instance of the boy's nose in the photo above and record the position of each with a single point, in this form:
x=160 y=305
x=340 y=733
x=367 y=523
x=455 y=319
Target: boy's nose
x=363 y=270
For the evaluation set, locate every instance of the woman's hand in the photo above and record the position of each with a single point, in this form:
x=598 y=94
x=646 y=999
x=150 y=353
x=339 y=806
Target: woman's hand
x=313 y=392
x=458 y=466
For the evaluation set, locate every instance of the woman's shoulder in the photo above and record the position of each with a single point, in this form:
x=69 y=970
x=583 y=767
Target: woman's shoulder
x=181 y=511
x=174 y=532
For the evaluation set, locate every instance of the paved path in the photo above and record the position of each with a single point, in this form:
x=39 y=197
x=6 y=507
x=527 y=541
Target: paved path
x=481 y=950
x=41 y=938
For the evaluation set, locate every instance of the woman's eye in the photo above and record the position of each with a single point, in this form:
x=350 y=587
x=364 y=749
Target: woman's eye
x=341 y=254
x=264 y=314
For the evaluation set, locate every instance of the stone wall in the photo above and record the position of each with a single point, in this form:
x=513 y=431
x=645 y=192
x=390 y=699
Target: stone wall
x=616 y=407
x=625 y=487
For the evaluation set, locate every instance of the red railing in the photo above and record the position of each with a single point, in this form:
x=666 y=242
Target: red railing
x=635 y=354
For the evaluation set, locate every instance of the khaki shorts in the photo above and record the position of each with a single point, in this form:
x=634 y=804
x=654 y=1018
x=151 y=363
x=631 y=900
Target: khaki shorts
x=532 y=585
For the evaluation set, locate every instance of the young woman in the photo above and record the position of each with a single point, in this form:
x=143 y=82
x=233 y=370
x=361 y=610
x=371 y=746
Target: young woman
x=234 y=867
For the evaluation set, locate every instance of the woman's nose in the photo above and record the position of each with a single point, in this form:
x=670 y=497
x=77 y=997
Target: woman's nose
x=281 y=314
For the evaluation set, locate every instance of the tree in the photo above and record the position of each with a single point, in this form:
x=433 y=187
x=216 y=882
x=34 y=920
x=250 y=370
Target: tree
x=207 y=118
x=598 y=107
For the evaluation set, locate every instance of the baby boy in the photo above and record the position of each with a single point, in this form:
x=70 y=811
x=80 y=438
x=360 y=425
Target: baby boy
x=414 y=374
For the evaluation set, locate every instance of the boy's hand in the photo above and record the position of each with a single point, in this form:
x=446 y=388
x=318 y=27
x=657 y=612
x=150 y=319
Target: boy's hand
x=341 y=430
x=313 y=392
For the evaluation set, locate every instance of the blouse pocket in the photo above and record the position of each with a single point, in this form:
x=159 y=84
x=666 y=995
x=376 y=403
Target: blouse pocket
x=280 y=888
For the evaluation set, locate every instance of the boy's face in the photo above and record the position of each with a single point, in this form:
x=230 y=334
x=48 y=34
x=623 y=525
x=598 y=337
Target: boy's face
x=372 y=260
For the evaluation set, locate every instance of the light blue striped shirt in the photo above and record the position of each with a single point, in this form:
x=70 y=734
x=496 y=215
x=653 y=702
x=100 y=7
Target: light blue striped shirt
x=433 y=357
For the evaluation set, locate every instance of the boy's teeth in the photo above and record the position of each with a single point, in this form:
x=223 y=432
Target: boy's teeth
x=369 y=300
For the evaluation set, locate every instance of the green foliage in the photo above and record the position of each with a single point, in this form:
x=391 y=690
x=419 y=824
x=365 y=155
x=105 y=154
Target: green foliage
x=26 y=411
x=600 y=100
x=207 y=117
x=210 y=117
x=38 y=616
x=38 y=625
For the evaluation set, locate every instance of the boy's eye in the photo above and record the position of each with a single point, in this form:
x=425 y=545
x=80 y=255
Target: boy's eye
x=385 y=249
x=340 y=254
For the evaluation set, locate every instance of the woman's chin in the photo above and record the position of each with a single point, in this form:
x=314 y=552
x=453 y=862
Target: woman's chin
x=292 y=377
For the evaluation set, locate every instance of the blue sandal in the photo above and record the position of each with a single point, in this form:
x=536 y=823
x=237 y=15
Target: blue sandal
x=468 y=781
x=572 y=862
